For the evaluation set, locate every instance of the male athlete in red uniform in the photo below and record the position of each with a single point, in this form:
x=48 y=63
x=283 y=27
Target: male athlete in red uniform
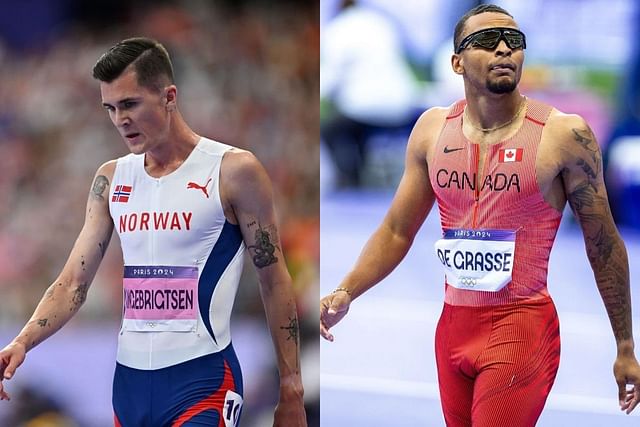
x=501 y=167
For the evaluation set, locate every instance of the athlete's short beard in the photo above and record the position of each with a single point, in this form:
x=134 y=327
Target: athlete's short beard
x=501 y=86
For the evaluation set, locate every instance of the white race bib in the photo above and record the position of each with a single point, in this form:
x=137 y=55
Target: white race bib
x=477 y=260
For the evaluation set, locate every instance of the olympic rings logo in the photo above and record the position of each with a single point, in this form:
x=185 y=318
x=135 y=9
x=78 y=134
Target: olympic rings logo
x=469 y=282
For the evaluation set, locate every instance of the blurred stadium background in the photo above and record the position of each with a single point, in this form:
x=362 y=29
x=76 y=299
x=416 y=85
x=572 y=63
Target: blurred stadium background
x=247 y=75
x=384 y=62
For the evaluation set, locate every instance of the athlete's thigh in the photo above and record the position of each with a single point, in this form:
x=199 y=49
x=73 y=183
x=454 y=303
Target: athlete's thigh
x=202 y=391
x=456 y=389
x=515 y=401
x=518 y=368
x=456 y=397
x=130 y=397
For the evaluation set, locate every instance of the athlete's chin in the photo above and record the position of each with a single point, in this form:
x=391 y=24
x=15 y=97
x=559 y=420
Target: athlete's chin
x=137 y=150
x=136 y=147
x=502 y=85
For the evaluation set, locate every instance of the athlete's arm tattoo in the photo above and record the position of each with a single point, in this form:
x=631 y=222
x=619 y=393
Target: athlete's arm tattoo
x=591 y=174
x=292 y=329
x=293 y=332
x=264 y=249
x=584 y=138
x=43 y=322
x=99 y=185
x=605 y=249
x=581 y=197
x=79 y=295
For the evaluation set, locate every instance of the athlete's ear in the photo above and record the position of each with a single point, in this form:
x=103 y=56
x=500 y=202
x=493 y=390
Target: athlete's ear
x=170 y=97
x=457 y=63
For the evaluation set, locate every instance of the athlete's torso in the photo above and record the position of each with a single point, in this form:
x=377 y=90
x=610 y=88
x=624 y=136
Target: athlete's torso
x=182 y=259
x=507 y=196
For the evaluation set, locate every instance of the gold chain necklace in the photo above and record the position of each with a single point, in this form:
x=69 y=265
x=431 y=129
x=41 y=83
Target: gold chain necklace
x=505 y=124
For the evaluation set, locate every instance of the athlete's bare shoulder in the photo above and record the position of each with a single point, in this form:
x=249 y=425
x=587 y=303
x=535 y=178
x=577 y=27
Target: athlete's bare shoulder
x=427 y=128
x=567 y=136
x=426 y=131
x=429 y=124
x=107 y=168
x=242 y=178
x=562 y=124
x=433 y=114
x=239 y=164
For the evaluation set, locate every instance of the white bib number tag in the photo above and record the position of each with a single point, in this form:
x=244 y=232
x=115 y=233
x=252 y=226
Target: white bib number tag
x=232 y=408
x=477 y=260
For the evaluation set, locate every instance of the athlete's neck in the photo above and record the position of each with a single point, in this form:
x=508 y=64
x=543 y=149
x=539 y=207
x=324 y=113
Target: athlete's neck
x=167 y=155
x=492 y=111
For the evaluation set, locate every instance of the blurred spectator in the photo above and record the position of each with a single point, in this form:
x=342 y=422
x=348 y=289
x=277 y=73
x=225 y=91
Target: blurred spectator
x=35 y=409
x=365 y=77
x=622 y=155
x=248 y=75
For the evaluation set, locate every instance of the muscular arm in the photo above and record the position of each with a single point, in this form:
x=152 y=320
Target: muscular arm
x=584 y=186
x=583 y=182
x=248 y=190
x=391 y=241
x=69 y=291
x=412 y=202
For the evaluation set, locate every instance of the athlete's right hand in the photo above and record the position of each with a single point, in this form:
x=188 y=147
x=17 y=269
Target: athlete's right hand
x=333 y=308
x=11 y=357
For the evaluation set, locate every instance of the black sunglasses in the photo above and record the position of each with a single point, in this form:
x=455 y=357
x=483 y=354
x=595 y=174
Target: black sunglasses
x=490 y=37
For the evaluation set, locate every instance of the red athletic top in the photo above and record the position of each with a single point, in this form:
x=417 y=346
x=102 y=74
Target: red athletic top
x=508 y=198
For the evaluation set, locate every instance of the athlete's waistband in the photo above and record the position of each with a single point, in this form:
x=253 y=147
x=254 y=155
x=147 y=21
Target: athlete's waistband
x=165 y=357
x=538 y=300
x=512 y=293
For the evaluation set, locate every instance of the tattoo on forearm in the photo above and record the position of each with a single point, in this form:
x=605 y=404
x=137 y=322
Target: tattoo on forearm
x=605 y=251
x=263 y=252
x=43 y=322
x=601 y=245
x=99 y=185
x=293 y=333
x=79 y=296
x=292 y=328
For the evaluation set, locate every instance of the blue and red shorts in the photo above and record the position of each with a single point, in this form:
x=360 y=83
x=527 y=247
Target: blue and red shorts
x=206 y=391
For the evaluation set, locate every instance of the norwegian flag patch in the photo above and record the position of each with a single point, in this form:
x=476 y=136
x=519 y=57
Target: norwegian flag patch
x=510 y=155
x=122 y=193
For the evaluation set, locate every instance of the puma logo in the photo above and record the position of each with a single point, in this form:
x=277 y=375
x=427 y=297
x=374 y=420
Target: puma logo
x=192 y=184
x=448 y=150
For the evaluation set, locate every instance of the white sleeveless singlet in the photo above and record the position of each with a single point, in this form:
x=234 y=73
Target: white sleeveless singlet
x=182 y=259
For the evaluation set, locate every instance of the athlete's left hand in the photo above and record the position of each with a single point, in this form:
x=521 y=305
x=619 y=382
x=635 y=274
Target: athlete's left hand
x=290 y=411
x=627 y=371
